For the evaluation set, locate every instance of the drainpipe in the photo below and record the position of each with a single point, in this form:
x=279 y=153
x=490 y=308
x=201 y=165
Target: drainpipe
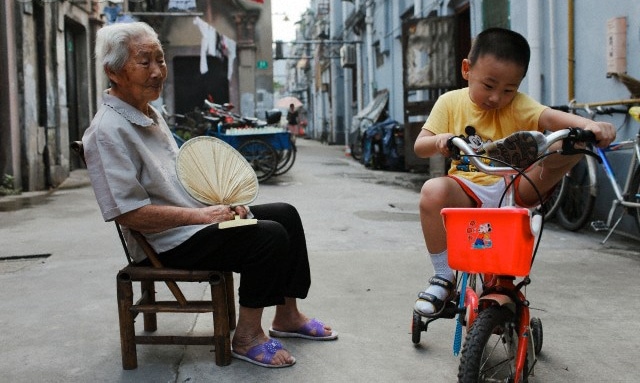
x=9 y=110
x=358 y=80
x=346 y=88
x=535 y=74
x=553 y=50
x=368 y=19
x=571 y=49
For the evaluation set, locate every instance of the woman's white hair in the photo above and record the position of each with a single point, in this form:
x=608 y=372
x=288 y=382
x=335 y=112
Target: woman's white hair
x=112 y=43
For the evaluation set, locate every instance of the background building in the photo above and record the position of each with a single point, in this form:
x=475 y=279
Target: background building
x=412 y=50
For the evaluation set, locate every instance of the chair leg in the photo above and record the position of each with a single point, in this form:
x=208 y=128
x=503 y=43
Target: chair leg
x=149 y=293
x=127 y=327
x=231 y=300
x=221 y=332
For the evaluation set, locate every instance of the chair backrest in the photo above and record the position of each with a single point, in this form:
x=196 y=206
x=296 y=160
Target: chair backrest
x=78 y=147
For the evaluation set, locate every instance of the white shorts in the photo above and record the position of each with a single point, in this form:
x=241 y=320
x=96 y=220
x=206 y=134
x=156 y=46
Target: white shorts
x=485 y=196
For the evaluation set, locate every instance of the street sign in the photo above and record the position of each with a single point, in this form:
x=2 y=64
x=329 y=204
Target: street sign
x=262 y=64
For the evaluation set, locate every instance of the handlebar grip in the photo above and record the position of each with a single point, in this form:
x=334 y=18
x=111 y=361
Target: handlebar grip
x=582 y=135
x=455 y=151
x=563 y=108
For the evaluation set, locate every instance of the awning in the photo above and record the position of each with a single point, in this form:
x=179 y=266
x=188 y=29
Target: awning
x=373 y=110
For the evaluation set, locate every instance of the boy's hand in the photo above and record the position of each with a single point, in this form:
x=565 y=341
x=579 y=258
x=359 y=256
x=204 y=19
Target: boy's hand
x=604 y=131
x=441 y=144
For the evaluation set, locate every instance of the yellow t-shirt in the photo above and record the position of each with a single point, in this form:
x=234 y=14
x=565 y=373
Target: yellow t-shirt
x=454 y=111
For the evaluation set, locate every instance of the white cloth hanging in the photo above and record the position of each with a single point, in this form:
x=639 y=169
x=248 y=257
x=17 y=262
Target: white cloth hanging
x=207 y=44
x=231 y=54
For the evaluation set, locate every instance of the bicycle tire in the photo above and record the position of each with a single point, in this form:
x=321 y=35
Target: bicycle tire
x=549 y=208
x=578 y=201
x=286 y=159
x=489 y=350
x=262 y=157
x=357 y=147
x=634 y=194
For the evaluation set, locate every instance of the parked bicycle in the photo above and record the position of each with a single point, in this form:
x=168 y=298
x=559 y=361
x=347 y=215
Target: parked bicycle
x=502 y=339
x=579 y=188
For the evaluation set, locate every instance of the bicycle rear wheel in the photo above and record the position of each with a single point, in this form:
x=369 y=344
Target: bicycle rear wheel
x=578 y=201
x=634 y=194
x=490 y=348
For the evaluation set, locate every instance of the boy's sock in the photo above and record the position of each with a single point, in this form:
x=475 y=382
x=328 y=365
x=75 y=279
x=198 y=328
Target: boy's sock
x=442 y=269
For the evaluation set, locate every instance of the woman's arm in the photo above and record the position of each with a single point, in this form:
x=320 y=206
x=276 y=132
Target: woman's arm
x=154 y=218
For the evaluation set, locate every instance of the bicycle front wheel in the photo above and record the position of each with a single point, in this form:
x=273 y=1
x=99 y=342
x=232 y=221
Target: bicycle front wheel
x=578 y=201
x=489 y=352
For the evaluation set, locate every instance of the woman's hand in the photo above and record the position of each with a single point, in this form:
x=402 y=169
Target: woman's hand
x=217 y=213
x=241 y=211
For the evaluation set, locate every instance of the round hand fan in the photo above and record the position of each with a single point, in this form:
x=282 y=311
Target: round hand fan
x=214 y=173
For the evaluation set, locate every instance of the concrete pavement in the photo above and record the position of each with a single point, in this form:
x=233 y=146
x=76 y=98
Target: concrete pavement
x=59 y=316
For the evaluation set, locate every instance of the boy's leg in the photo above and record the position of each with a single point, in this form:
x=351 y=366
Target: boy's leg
x=545 y=176
x=438 y=193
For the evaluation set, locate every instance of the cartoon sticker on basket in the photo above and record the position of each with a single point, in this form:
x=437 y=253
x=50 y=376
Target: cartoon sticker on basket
x=479 y=235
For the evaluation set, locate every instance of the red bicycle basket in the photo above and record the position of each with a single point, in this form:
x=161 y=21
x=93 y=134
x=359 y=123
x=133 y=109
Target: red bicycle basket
x=489 y=240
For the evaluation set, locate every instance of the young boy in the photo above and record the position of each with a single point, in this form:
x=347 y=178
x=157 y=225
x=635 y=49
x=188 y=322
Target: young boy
x=490 y=108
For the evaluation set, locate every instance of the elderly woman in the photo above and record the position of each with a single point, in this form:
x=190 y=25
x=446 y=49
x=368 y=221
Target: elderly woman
x=131 y=157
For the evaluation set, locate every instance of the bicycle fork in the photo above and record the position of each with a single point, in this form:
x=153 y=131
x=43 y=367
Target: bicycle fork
x=524 y=358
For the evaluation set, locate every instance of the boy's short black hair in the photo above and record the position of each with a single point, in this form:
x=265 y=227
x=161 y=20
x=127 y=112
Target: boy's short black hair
x=502 y=43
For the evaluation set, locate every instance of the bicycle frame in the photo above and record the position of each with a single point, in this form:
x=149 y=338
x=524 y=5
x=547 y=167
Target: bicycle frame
x=608 y=169
x=501 y=290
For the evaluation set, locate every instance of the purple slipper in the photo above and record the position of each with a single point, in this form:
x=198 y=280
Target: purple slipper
x=267 y=349
x=311 y=330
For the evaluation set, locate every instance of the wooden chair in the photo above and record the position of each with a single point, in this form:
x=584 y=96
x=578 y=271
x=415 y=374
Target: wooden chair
x=222 y=303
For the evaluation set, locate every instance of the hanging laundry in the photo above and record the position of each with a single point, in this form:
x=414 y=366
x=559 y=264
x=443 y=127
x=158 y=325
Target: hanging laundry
x=182 y=5
x=230 y=48
x=207 y=44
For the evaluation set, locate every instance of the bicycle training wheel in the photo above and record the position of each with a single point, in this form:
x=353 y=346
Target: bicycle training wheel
x=262 y=157
x=489 y=351
x=578 y=201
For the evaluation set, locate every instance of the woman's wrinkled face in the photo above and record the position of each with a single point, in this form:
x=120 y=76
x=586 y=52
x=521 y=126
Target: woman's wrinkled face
x=142 y=77
x=493 y=83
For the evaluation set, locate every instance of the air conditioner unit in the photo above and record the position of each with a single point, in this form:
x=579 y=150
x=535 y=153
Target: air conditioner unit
x=347 y=56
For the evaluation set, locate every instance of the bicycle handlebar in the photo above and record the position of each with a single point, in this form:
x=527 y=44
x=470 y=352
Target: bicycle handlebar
x=529 y=146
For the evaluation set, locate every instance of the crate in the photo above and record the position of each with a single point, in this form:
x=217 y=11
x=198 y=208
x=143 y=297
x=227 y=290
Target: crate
x=489 y=240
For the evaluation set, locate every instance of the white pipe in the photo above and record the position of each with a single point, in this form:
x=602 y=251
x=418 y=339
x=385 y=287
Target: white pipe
x=346 y=87
x=371 y=59
x=358 y=79
x=533 y=31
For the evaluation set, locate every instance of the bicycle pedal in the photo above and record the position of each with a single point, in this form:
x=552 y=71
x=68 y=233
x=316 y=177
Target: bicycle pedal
x=599 y=226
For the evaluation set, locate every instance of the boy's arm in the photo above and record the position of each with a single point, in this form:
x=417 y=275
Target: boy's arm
x=551 y=119
x=428 y=144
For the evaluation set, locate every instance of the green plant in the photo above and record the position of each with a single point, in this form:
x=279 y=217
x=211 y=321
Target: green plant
x=6 y=187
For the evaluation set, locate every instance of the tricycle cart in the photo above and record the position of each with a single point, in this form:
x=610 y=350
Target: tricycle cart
x=269 y=152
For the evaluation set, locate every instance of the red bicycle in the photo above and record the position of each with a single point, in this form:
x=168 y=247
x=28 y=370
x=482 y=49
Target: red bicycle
x=493 y=250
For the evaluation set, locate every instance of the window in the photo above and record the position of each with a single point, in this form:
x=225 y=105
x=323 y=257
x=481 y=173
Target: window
x=495 y=13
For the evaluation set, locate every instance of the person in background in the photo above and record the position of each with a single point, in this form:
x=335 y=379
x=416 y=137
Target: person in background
x=131 y=160
x=292 y=120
